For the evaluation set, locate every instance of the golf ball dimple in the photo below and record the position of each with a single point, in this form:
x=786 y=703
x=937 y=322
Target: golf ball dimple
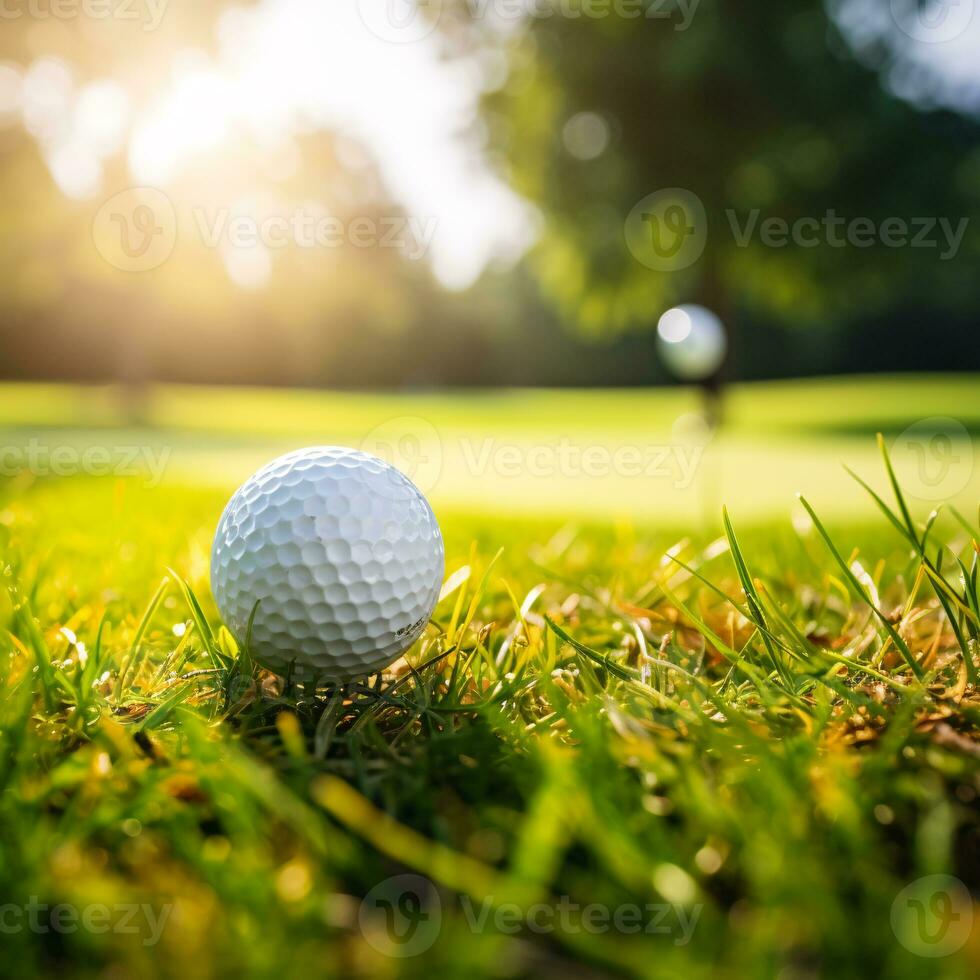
x=343 y=555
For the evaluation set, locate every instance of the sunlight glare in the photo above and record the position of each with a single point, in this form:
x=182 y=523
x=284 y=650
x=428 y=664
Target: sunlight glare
x=101 y=116
x=11 y=91
x=192 y=117
x=250 y=267
x=47 y=94
x=292 y=66
x=75 y=169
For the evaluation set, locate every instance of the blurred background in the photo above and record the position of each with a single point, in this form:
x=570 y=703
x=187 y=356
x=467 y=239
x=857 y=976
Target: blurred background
x=485 y=192
x=236 y=228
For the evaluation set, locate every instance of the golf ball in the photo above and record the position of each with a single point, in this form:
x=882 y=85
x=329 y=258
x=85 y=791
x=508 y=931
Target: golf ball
x=692 y=342
x=343 y=555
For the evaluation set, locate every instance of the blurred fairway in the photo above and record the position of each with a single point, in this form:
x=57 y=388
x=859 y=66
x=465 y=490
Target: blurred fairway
x=780 y=786
x=637 y=455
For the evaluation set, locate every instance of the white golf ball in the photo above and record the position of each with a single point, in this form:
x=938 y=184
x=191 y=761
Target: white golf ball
x=343 y=555
x=692 y=342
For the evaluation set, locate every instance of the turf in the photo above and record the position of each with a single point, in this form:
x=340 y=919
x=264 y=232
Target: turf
x=754 y=735
x=499 y=454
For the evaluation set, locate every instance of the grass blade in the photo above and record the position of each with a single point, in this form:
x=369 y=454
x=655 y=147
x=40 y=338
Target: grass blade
x=859 y=589
x=131 y=658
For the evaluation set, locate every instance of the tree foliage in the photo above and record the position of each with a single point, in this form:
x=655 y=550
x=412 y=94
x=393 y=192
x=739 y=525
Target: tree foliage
x=757 y=109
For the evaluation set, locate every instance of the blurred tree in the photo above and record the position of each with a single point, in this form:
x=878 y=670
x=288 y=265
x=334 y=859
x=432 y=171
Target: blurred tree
x=754 y=111
x=209 y=311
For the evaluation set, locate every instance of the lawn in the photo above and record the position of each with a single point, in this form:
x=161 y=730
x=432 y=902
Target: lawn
x=633 y=741
x=634 y=455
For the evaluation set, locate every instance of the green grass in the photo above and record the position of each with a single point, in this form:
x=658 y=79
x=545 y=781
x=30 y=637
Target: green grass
x=765 y=734
x=481 y=452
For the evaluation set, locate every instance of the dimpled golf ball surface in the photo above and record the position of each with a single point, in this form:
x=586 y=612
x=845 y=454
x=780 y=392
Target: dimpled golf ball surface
x=344 y=556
